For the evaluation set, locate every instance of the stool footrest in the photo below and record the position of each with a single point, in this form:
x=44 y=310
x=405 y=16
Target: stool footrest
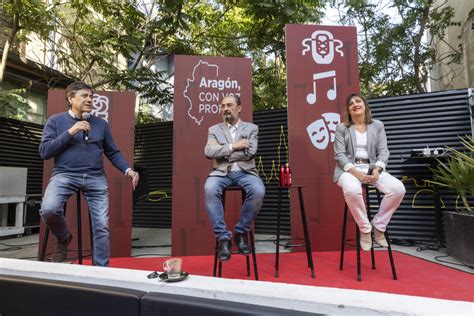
x=290 y=244
x=289 y=238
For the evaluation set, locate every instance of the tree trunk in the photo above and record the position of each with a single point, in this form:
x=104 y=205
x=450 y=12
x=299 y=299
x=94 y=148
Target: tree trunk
x=6 y=48
x=419 y=36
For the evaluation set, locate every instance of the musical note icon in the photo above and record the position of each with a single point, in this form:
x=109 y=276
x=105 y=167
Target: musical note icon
x=331 y=94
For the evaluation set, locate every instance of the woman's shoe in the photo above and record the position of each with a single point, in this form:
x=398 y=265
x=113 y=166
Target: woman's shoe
x=365 y=241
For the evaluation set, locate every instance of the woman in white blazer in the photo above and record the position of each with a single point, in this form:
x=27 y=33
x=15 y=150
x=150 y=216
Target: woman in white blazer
x=360 y=145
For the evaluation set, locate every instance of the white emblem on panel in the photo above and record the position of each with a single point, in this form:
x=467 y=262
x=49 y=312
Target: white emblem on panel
x=322 y=45
x=322 y=131
x=332 y=120
x=100 y=106
x=331 y=93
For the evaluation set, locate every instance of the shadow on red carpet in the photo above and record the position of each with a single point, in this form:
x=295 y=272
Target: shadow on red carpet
x=416 y=276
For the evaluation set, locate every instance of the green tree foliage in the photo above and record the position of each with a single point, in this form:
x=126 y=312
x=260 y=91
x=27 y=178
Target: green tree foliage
x=13 y=104
x=115 y=44
x=93 y=38
x=254 y=29
x=21 y=19
x=394 y=56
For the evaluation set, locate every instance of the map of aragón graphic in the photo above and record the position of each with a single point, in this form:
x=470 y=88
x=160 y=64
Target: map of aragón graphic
x=204 y=91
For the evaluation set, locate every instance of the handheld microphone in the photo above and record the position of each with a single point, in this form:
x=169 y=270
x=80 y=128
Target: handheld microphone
x=246 y=150
x=85 y=134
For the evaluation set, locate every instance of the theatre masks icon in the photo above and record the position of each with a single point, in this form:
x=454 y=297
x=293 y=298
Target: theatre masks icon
x=319 y=134
x=322 y=45
x=332 y=120
x=323 y=131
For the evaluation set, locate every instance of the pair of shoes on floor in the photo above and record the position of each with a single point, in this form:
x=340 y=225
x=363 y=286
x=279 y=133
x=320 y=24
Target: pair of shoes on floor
x=224 y=249
x=60 y=249
x=366 y=239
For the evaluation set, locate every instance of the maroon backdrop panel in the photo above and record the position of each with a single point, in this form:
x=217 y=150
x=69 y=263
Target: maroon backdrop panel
x=118 y=108
x=322 y=70
x=200 y=84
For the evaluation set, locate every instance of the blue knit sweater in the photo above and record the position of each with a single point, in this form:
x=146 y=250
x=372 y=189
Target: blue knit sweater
x=71 y=154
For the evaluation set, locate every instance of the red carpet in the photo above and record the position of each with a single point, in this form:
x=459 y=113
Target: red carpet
x=416 y=276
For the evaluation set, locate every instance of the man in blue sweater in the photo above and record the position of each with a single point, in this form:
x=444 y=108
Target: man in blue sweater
x=78 y=165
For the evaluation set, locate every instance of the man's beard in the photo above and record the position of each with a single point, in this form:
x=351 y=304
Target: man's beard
x=228 y=117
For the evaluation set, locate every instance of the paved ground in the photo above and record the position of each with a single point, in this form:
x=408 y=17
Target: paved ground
x=157 y=242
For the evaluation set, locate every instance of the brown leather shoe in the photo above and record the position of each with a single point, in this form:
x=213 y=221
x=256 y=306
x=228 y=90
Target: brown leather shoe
x=60 y=250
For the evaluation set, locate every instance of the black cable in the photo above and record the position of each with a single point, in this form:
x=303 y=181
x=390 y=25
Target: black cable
x=151 y=246
x=428 y=245
x=26 y=258
x=22 y=245
x=450 y=262
x=421 y=245
x=266 y=240
x=152 y=254
x=11 y=249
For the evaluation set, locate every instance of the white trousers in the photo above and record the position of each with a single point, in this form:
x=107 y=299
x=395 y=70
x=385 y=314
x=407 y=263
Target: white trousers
x=393 y=190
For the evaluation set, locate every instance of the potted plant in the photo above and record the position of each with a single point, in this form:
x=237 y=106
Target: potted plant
x=457 y=173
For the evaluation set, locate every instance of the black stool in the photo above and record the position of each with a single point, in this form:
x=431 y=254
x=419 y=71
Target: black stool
x=365 y=187
x=307 y=241
x=250 y=237
x=79 y=232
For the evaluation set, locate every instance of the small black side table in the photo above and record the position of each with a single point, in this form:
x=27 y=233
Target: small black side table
x=307 y=241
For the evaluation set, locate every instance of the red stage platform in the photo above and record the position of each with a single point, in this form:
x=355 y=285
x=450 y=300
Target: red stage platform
x=416 y=276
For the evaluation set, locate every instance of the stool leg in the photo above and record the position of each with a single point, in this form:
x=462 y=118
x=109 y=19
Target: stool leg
x=247 y=261
x=392 y=262
x=44 y=244
x=254 y=256
x=369 y=216
x=389 y=248
x=359 y=276
x=79 y=228
x=343 y=242
x=277 y=249
x=91 y=234
x=219 y=271
x=215 y=258
x=309 y=255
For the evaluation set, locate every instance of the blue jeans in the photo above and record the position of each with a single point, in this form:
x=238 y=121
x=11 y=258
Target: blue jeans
x=254 y=190
x=94 y=187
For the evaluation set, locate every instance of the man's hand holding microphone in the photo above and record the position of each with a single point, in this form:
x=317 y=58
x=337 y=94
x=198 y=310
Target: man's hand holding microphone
x=82 y=125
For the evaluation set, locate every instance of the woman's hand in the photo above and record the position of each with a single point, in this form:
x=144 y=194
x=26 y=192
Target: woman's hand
x=363 y=177
x=374 y=177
